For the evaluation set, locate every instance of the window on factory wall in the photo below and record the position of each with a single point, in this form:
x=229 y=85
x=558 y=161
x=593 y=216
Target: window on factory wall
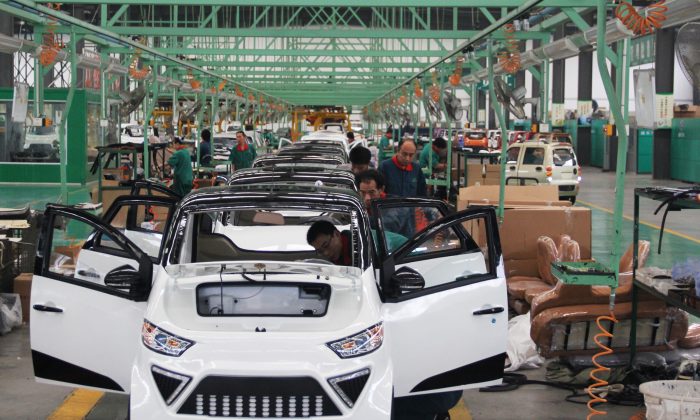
x=32 y=141
x=94 y=139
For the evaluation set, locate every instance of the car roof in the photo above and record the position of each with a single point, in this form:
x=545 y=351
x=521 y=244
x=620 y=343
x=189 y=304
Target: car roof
x=274 y=175
x=310 y=195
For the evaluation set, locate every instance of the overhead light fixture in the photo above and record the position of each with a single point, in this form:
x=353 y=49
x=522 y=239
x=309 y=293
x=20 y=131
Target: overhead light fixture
x=482 y=74
x=87 y=61
x=559 y=49
x=161 y=79
x=174 y=83
x=116 y=69
x=615 y=30
x=528 y=58
x=10 y=44
x=681 y=11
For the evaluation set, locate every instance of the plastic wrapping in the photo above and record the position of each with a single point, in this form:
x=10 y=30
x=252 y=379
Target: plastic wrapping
x=10 y=312
x=671 y=400
x=520 y=348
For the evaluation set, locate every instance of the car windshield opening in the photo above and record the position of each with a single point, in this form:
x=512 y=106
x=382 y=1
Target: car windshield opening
x=563 y=157
x=268 y=234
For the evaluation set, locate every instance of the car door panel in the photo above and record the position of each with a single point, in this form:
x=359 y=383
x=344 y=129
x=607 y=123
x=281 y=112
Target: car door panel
x=438 y=344
x=85 y=332
x=452 y=333
x=97 y=332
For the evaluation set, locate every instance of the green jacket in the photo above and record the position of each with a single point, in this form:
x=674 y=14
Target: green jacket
x=425 y=158
x=181 y=162
x=384 y=151
x=244 y=159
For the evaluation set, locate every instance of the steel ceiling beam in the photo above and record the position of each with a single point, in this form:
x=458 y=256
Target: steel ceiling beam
x=340 y=3
x=29 y=5
x=224 y=53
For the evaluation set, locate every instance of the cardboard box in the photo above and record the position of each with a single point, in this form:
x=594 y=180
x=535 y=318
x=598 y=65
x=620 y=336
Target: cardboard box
x=23 y=287
x=531 y=212
x=515 y=194
x=485 y=174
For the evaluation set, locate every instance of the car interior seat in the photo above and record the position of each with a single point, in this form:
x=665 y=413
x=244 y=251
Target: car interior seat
x=563 y=320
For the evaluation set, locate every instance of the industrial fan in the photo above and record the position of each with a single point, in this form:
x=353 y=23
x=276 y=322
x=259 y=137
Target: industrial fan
x=514 y=100
x=688 y=51
x=453 y=106
x=131 y=100
x=189 y=111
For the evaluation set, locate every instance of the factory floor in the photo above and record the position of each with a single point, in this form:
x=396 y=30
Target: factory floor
x=22 y=398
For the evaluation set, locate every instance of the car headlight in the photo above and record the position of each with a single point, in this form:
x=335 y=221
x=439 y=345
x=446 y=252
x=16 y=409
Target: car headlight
x=163 y=342
x=359 y=344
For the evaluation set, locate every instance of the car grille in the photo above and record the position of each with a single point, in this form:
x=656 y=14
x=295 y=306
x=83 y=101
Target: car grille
x=567 y=187
x=227 y=396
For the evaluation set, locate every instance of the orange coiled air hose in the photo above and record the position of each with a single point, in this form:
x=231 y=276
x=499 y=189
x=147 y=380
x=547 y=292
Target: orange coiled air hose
x=598 y=382
x=510 y=58
x=636 y=22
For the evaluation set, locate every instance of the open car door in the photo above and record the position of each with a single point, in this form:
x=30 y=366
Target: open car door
x=445 y=306
x=148 y=188
x=92 y=278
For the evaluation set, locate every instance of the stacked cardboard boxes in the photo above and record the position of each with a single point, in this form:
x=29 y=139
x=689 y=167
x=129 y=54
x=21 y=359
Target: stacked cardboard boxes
x=531 y=212
x=23 y=287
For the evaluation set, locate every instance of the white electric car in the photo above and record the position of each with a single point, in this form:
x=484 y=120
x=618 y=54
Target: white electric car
x=216 y=306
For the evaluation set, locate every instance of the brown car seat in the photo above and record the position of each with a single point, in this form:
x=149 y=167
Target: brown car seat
x=563 y=319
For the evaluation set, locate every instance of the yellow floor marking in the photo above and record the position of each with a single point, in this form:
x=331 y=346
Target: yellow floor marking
x=641 y=222
x=78 y=405
x=460 y=411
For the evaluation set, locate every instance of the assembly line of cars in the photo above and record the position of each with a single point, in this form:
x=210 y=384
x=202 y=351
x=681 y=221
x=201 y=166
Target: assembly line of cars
x=215 y=305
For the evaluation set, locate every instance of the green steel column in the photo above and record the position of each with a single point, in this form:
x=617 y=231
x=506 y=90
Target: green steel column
x=504 y=137
x=38 y=76
x=62 y=140
x=200 y=122
x=616 y=110
x=149 y=105
x=104 y=79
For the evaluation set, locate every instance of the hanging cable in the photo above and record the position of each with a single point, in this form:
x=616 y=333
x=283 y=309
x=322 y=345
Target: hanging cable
x=640 y=24
x=510 y=58
x=605 y=350
x=51 y=45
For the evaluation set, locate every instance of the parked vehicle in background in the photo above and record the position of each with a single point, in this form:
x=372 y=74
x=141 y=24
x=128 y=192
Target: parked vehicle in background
x=554 y=137
x=476 y=140
x=537 y=162
x=494 y=139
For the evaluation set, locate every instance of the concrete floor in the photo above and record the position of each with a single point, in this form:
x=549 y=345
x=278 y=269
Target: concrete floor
x=22 y=398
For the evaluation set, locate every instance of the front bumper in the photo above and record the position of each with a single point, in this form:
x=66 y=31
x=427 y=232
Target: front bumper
x=234 y=387
x=566 y=188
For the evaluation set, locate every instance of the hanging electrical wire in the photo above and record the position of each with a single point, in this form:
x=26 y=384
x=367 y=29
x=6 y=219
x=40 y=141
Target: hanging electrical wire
x=434 y=90
x=417 y=90
x=51 y=45
x=456 y=78
x=605 y=350
x=135 y=72
x=510 y=57
x=642 y=24
x=194 y=83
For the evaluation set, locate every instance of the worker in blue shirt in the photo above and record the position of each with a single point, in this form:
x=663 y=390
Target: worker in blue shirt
x=403 y=178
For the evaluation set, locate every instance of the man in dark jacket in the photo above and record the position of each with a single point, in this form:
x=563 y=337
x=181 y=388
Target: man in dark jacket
x=403 y=178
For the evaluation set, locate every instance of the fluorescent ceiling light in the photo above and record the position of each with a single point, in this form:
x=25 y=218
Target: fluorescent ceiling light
x=559 y=49
x=10 y=44
x=87 y=61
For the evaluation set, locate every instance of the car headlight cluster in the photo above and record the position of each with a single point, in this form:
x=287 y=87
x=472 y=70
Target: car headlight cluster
x=163 y=342
x=359 y=344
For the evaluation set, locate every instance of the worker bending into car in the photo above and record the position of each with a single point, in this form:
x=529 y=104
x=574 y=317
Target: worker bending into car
x=330 y=243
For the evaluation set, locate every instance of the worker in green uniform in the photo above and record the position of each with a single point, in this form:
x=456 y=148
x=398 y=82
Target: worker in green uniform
x=243 y=155
x=439 y=149
x=386 y=150
x=181 y=163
